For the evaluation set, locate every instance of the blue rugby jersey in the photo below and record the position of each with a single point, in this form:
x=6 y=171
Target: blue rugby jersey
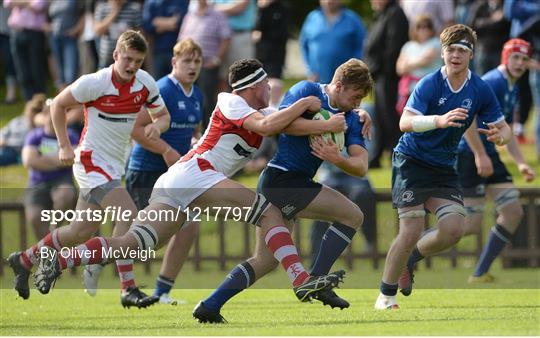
x=186 y=114
x=294 y=152
x=433 y=95
x=506 y=94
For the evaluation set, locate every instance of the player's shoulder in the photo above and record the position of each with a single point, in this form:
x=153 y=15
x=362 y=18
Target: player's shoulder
x=233 y=106
x=146 y=79
x=306 y=88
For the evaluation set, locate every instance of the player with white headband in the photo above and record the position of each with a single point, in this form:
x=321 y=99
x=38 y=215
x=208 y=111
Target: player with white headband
x=441 y=109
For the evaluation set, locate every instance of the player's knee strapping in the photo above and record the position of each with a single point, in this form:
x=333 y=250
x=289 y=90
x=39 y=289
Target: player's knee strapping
x=506 y=197
x=475 y=209
x=259 y=206
x=145 y=235
x=449 y=210
x=411 y=213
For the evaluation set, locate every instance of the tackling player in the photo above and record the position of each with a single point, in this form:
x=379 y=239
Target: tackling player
x=287 y=182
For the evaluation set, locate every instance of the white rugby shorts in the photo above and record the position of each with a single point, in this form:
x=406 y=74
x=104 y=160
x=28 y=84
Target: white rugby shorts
x=184 y=182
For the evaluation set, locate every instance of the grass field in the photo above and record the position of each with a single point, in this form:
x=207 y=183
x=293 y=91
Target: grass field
x=442 y=304
x=276 y=312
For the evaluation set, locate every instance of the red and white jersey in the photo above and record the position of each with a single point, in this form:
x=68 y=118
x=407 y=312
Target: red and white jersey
x=226 y=145
x=110 y=110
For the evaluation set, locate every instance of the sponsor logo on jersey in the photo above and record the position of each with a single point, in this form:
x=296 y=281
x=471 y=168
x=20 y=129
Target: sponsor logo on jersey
x=442 y=100
x=181 y=105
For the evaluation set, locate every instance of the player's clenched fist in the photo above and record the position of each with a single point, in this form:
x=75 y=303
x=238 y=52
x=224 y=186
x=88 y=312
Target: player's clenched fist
x=313 y=103
x=451 y=119
x=66 y=155
x=337 y=123
x=152 y=132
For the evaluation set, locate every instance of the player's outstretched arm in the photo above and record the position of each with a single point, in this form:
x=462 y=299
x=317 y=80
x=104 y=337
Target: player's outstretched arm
x=304 y=127
x=274 y=123
x=484 y=166
x=61 y=103
x=412 y=122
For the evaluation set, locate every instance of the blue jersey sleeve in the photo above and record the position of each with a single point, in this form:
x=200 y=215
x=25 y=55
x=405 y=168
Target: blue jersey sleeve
x=419 y=100
x=490 y=110
x=298 y=91
x=353 y=135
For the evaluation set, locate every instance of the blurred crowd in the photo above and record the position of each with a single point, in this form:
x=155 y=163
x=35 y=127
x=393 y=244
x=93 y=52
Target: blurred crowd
x=64 y=39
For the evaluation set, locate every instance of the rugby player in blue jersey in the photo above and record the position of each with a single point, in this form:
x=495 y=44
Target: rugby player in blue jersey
x=288 y=183
x=442 y=107
x=484 y=174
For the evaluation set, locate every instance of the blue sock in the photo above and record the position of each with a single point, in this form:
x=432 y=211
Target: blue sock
x=414 y=258
x=163 y=285
x=240 y=278
x=498 y=237
x=335 y=240
x=388 y=289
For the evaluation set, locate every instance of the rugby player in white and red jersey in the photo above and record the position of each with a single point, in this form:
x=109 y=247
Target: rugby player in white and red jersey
x=201 y=179
x=112 y=99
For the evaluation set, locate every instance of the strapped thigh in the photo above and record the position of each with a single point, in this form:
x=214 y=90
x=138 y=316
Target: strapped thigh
x=505 y=197
x=259 y=206
x=448 y=210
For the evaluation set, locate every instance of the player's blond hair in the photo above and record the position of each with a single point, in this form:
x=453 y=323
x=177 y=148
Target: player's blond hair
x=355 y=74
x=455 y=33
x=131 y=39
x=187 y=47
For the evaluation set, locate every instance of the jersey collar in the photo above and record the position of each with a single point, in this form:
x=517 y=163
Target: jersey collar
x=176 y=83
x=445 y=77
x=323 y=90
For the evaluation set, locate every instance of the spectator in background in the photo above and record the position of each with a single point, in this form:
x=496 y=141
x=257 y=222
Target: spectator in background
x=522 y=14
x=12 y=135
x=28 y=21
x=418 y=57
x=210 y=30
x=388 y=33
x=241 y=15
x=330 y=35
x=6 y=57
x=67 y=22
x=112 y=18
x=162 y=20
x=50 y=183
x=90 y=40
x=487 y=19
x=270 y=35
x=441 y=12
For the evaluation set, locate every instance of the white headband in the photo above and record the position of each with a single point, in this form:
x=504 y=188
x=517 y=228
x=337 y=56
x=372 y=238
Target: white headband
x=250 y=80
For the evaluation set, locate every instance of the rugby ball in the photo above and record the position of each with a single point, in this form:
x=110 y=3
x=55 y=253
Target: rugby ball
x=337 y=138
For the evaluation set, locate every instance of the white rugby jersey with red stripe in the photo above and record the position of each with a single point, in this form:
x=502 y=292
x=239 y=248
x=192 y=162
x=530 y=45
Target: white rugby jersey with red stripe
x=110 y=109
x=226 y=145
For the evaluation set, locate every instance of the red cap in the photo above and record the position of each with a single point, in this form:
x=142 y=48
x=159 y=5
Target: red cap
x=515 y=46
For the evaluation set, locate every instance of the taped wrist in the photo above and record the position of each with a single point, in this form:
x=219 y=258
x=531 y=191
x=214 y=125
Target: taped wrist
x=423 y=123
